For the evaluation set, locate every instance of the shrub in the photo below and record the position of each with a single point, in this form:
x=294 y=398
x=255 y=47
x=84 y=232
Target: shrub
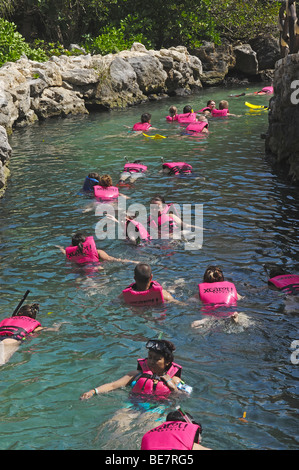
x=13 y=45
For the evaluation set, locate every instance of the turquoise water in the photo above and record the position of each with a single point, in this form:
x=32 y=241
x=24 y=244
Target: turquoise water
x=251 y=214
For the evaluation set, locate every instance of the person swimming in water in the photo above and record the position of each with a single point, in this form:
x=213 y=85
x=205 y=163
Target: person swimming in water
x=157 y=375
x=217 y=296
x=15 y=329
x=179 y=432
x=83 y=250
x=145 y=291
x=132 y=172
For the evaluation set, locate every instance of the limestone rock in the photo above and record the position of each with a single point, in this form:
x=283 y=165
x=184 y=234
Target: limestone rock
x=246 y=60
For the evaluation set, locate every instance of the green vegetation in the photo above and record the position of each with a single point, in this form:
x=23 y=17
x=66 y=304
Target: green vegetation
x=41 y=28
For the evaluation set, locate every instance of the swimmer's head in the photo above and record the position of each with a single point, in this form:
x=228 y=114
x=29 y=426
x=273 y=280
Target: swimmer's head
x=28 y=311
x=223 y=104
x=277 y=271
x=157 y=199
x=146 y=117
x=211 y=104
x=163 y=347
x=94 y=175
x=143 y=273
x=187 y=109
x=202 y=118
x=213 y=274
x=173 y=110
x=178 y=416
x=78 y=239
x=106 y=181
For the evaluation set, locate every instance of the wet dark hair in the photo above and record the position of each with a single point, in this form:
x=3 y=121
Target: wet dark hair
x=277 y=271
x=28 y=311
x=187 y=109
x=158 y=197
x=142 y=272
x=146 y=117
x=163 y=347
x=94 y=175
x=213 y=274
x=77 y=240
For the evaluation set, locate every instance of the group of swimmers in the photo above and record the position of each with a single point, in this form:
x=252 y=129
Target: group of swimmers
x=157 y=374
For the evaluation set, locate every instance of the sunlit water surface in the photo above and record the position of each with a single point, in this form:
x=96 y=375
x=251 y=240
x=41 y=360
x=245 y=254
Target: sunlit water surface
x=251 y=214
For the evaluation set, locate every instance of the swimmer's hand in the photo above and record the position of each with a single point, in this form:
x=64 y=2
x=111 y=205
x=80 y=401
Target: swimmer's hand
x=88 y=395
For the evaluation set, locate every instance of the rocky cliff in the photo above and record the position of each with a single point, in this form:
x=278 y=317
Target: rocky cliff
x=282 y=139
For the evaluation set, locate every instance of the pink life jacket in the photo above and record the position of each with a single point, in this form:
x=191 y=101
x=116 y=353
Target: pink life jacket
x=135 y=167
x=218 y=293
x=267 y=89
x=178 y=167
x=89 y=254
x=149 y=383
x=105 y=193
x=141 y=126
x=207 y=108
x=286 y=282
x=187 y=117
x=19 y=327
x=172 y=118
x=219 y=112
x=166 y=224
x=143 y=233
x=171 y=435
x=152 y=296
x=197 y=126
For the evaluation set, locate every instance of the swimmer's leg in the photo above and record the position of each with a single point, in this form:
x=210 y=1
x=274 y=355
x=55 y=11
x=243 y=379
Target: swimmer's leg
x=199 y=323
x=7 y=348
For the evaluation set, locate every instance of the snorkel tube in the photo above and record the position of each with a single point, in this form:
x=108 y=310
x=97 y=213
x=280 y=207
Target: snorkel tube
x=20 y=303
x=184 y=414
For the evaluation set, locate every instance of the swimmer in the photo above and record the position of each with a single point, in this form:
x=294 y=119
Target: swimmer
x=167 y=219
x=19 y=326
x=223 y=110
x=174 y=435
x=106 y=191
x=207 y=109
x=173 y=114
x=187 y=116
x=199 y=127
x=282 y=281
x=145 y=291
x=91 y=180
x=132 y=172
x=144 y=124
x=83 y=250
x=215 y=292
x=176 y=168
x=156 y=375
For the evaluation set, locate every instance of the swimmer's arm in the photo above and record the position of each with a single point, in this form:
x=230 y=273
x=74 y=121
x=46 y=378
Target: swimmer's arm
x=55 y=327
x=168 y=298
x=199 y=447
x=171 y=383
x=179 y=221
x=123 y=195
x=105 y=257
x=194 y=298
x=108 y=387
x=60 y=248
